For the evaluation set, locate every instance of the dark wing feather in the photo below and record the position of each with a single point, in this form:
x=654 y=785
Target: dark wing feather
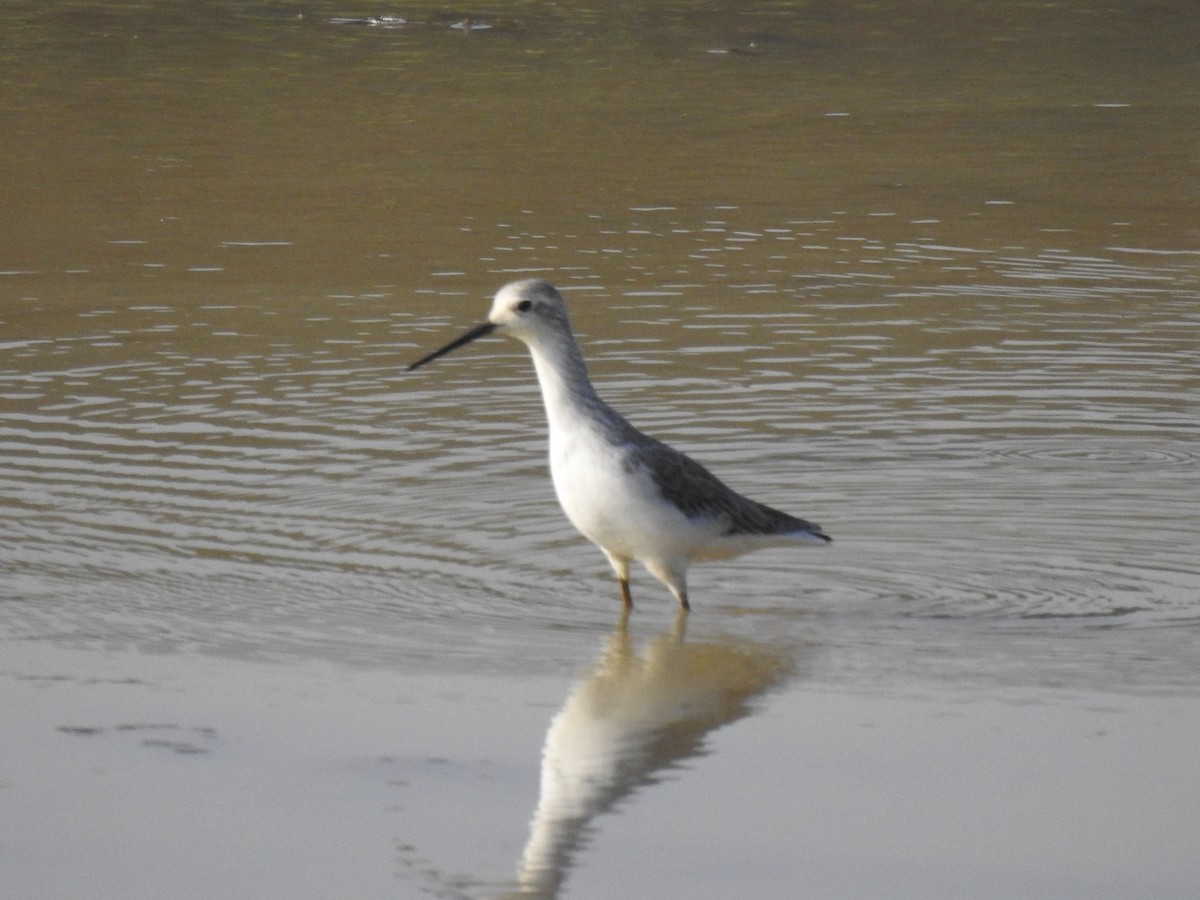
x=698 y=493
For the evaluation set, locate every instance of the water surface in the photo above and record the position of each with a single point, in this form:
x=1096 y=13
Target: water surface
x=308 y=626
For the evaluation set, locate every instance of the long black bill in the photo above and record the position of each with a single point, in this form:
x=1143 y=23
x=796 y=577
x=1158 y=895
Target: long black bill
x=478 y=331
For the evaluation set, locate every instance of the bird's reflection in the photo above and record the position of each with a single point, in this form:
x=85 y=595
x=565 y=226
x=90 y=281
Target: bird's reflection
x=632 y=716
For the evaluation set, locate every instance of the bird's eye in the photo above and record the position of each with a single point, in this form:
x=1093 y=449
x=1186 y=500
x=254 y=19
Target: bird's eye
x=525 y=306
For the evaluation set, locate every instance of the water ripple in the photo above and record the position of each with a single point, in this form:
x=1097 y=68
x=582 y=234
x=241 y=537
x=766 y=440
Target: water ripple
x=1001 y=438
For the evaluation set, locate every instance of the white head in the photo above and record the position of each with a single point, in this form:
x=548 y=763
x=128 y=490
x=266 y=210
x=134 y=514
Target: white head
x=531 y=311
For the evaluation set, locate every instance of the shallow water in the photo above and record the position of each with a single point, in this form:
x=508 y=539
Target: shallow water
x=930 y=280
x=1010 y=447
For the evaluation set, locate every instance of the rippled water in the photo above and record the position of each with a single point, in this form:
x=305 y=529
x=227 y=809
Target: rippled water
x=998 y=435
x=277 y=619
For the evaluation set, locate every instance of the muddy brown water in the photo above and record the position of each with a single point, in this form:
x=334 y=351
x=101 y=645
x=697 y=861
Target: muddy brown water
x=928 y=274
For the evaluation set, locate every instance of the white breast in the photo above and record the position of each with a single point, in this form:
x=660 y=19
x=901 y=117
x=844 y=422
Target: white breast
x=615 y=504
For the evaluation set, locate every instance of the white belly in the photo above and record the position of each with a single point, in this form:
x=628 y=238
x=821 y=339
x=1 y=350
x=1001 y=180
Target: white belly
x=616 y=507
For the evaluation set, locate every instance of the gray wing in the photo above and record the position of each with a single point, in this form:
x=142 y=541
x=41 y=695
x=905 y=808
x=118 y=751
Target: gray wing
x=698 y=493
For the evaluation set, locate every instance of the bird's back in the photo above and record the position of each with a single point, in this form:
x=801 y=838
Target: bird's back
x=701 y=496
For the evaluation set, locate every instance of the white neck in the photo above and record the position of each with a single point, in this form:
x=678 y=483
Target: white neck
x=566 y=389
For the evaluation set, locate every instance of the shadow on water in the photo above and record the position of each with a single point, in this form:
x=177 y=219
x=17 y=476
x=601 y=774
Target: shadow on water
x=633 y=717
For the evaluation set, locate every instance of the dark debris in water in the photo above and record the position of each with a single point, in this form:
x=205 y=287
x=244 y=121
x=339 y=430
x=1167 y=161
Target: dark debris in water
x=180 y=747
x=177 y=743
